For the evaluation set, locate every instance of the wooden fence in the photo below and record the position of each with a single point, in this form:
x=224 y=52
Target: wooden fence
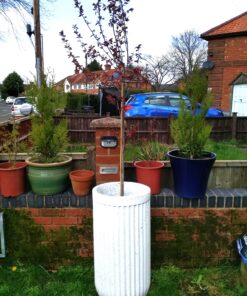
x=137 y=128
x=155 y=128
x=24 y=128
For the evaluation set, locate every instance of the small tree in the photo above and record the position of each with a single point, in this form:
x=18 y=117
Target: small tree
x=111 y=16
x=48 y=137
x=190 y=130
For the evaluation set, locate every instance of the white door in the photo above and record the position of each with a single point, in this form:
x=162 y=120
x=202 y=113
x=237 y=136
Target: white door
x=239 y=99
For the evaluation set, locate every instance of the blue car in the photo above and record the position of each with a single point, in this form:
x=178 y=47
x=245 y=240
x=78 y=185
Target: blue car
x=159 y=104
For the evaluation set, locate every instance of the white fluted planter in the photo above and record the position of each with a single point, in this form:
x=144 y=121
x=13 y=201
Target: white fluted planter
x=121 y=226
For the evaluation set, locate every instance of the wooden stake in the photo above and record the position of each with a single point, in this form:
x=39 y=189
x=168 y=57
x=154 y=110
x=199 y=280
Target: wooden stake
x=121 y=166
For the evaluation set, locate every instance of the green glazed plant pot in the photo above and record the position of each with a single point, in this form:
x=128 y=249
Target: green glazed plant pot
x=49 y=178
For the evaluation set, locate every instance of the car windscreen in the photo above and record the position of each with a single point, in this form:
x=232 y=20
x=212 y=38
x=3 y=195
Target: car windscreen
x=131 y=99
x=20 y=101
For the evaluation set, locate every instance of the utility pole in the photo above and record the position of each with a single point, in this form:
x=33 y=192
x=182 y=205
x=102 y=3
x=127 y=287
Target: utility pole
x=38 y=45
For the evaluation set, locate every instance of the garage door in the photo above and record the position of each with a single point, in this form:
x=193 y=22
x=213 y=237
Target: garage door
x=239 y=99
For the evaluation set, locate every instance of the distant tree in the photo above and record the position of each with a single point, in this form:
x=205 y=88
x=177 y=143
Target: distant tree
x=94 y=66
x=158 y=70
x=13 y=85
x=187 y=52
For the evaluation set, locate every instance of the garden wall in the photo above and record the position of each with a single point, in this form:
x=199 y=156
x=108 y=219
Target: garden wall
x=224 y=174
x=184 y=232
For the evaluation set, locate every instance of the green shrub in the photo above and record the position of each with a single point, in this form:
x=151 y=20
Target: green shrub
x=48 y=137
x=152 y=151
x=190 y=131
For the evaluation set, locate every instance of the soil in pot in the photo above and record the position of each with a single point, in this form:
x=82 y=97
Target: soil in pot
x=81 y=181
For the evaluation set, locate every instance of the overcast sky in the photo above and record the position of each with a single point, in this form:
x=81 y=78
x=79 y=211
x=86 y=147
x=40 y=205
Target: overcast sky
x=152 y=24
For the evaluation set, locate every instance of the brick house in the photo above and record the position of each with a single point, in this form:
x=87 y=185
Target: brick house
x=227 y=64
x=88 y=82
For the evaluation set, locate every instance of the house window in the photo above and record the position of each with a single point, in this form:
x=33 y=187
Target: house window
x=90 y=86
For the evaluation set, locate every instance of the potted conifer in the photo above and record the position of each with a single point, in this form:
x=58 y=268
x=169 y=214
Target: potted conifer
x=191 y=164
x=48 y=170
x=12 y=173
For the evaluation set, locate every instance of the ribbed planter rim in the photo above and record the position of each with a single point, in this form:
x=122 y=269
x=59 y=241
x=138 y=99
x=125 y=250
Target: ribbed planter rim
x=29 y=161
x=109 y=193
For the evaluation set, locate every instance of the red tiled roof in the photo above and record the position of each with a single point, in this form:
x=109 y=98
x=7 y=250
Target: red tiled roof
x=233 y=27
x=103 y=76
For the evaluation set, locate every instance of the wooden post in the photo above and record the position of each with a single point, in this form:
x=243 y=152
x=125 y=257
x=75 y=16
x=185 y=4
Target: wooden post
x=121 y=165
x=234 y=125
x=38 y=45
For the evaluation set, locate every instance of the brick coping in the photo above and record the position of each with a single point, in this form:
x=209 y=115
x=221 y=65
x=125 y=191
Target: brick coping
x=217 y=163
x=215 y=198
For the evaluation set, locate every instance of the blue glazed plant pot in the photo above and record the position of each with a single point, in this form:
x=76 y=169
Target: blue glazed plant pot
x=191 y=175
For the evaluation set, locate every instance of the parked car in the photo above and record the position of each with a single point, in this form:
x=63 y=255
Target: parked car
x=159 y=104
x=21 y=107
x=10 y=100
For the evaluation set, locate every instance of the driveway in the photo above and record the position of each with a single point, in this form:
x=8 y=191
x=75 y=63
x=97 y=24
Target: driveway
x=5 y=111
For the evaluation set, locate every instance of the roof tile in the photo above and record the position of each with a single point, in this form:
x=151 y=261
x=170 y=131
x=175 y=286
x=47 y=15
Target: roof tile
x=235 y=25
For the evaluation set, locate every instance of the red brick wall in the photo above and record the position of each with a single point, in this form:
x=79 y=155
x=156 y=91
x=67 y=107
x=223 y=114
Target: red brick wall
x=53 y=219
x=235 y=219
x=230 y=58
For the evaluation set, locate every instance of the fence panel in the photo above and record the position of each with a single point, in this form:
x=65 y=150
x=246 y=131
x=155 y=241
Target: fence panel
x=154 y=128
x=24 y=129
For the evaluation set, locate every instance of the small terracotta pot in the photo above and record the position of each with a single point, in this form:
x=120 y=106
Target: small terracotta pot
x=81 y=181
x=148 y=172
x=12 y=179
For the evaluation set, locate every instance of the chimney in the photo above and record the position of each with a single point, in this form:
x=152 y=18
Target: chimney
x=77 y=70
x=107 y=67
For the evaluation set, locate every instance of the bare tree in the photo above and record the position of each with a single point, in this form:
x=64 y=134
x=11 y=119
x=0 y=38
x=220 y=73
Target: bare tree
x=158 y=70
x=19 y=6
x=188 y=51
x=22 y=8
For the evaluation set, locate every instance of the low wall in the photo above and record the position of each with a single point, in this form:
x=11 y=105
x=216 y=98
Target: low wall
x=224 y=174
x=185 y=232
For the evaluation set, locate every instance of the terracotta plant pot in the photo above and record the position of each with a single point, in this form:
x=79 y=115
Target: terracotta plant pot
x=12 y=179
x=81 y=181
x=148 y=172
